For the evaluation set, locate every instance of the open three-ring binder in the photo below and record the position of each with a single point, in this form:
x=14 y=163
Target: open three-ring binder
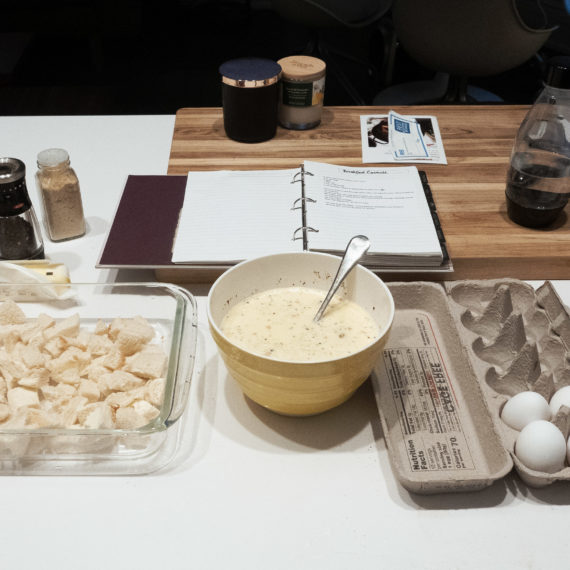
x=233 y=215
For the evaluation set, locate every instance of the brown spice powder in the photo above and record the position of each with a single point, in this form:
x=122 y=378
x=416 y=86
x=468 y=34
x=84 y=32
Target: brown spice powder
x=62 y=203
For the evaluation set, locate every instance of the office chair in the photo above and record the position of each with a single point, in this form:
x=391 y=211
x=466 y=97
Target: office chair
x=459 y=40
x=326 y=16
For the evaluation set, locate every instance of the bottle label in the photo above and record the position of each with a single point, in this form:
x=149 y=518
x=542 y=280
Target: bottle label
x=303 y=94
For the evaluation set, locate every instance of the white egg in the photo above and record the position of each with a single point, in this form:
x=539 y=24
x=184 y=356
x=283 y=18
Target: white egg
x=523 y=408
x=541 y=446
x=560 y=398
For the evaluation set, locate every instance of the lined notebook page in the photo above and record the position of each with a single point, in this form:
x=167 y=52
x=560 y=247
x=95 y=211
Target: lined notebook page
x=229 y=216
x=386 y=204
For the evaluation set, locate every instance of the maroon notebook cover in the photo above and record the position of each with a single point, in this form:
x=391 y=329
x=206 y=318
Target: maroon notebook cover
x=142 y=232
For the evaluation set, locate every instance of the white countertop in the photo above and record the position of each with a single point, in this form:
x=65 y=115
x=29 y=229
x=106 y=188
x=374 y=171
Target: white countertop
x=248 y=489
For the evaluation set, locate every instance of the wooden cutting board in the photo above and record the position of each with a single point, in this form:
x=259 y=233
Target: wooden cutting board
x=469 y=191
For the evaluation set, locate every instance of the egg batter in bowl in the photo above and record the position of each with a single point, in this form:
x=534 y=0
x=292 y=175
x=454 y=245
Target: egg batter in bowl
x=278 y=323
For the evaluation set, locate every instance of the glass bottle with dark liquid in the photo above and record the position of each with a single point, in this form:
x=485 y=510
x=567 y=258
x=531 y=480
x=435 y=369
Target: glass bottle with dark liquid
x=538 y=181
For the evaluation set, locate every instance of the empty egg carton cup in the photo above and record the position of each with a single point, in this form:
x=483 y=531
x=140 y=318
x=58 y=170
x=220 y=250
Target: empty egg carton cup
x=456 y=353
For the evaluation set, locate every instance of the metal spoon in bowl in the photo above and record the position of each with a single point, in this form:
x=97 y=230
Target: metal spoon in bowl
x=355 y=249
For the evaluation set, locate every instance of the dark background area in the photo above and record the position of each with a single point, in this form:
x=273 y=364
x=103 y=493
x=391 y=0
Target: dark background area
x=138 y=57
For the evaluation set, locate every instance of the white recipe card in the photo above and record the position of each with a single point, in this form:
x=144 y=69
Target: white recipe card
x=406 y=138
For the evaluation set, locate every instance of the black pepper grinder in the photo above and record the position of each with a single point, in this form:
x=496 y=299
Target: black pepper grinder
x=20 y=236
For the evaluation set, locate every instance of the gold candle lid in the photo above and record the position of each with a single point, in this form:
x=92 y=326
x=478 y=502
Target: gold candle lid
x=250 y=72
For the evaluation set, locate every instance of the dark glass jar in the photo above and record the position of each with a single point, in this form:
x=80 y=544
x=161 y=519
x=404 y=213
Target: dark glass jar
x=249 y=98
x=20 y=236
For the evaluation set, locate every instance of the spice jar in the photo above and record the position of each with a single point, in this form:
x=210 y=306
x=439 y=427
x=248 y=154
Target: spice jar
x=20 y=236
x=249 y=98
x=302 y=91
x=59 y=187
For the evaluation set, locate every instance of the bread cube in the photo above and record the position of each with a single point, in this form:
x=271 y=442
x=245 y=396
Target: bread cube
x=96 y=416
x=36 y=378
x=70 y=376
x=9 y=369
x=145 y=410
x=148 y=363
x=121 y=399
x=70 y=411
x=21 y=397
x=32 y=357
x=80 y=341
x=114 y=359
x=37 y=418
x=9 y=336
x=58 y=393
x=44 y=321
x=54 y=346
x=119 y=380
x=99 y=345
x=32 y=332
x=101 y=328
x=128 y=418
x=68 y=366
x=11 y=314
x=67 y=327
x=155 y=391
x=130 y=335
x=94 y=371
x=90 y=390
x=135 y=325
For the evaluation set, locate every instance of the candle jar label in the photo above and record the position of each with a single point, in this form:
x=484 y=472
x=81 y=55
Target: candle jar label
x=303 y=94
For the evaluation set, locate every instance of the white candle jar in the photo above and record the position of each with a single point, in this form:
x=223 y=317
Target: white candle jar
x=302 y=92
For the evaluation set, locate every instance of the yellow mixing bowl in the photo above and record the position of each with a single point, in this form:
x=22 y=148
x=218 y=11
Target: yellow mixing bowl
x=298 y=388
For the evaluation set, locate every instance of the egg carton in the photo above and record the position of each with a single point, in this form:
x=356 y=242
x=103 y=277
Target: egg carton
x=456 y=353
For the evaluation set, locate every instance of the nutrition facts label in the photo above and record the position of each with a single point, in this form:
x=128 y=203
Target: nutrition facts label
x=425 y=403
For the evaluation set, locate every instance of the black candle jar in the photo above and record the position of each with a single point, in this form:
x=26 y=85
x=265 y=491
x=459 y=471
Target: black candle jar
x=250 y=97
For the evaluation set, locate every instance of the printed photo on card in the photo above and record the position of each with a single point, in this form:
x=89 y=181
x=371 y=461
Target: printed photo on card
x=382 y=144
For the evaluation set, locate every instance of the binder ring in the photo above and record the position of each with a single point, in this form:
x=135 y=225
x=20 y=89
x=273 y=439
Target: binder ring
x=295 y=179
x=303 y=229
x=301 y=173
x=302 y=199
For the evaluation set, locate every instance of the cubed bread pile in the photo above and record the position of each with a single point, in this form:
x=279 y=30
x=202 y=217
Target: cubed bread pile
x=58 y=374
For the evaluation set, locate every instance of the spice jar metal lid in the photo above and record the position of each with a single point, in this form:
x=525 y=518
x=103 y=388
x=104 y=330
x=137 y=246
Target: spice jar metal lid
x=11 y=170
x=250 y=72
x=302 y=67
x=52 y=157
x=14 y=198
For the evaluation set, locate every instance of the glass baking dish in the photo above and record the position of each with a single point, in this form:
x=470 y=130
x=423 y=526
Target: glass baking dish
x=172 y=313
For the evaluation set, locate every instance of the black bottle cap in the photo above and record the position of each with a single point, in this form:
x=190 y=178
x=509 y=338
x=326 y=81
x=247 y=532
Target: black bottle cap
x=558 y=74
